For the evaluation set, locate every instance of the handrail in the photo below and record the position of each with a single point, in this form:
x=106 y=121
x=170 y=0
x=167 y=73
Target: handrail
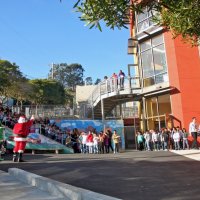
x=116 y=85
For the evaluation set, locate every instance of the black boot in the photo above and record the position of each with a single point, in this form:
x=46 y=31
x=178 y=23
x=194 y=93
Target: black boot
x=20 y=158
x=14 y=157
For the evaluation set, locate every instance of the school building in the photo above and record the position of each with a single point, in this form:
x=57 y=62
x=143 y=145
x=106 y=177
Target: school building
x=169 y=72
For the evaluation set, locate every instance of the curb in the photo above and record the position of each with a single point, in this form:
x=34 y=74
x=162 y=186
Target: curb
x=57 y=188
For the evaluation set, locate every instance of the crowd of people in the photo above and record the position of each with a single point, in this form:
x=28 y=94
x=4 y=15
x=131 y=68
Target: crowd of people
x=84 y=142
x=106 y=141
x=166 y=139
x=81 y=142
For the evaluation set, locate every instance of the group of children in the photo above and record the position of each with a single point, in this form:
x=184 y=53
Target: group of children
x=99 y=143
x=165 y=139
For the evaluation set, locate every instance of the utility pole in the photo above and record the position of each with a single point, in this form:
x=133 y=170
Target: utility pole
x=52 y=70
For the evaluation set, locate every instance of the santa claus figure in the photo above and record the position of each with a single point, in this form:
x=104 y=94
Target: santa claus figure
x=21 y=131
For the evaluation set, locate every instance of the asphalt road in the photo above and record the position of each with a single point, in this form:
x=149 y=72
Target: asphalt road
x=132 y=175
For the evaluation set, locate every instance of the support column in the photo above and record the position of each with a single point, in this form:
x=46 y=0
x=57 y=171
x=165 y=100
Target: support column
x=143 y=125
x=102 y=113
x=120 y=111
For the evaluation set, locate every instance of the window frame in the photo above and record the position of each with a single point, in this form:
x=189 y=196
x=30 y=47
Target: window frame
x=148 y=19
x=151 y=48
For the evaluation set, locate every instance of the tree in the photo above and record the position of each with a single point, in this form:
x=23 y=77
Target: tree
x=47 y=92
x=88 y=81
x=20 y=91
x=182 y=17
x=68 y=75
x=10 y=75
x=69 y=97
x=97 y=81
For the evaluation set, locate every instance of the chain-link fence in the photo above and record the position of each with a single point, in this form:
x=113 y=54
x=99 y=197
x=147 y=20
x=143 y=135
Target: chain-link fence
x=51 y=111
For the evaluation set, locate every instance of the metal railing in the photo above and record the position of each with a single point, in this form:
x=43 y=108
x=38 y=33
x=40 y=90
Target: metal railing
x=114 y=85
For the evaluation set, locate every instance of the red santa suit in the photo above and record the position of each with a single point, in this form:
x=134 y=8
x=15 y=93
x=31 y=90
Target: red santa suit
x=21 y=131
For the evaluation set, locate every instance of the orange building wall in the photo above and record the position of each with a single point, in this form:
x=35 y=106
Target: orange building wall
x=173 y=73
x=184 y=74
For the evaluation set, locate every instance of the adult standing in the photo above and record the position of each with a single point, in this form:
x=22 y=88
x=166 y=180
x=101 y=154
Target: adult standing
x=121 y=79
x=193 y=132
x=116 y=139
x=21 y=131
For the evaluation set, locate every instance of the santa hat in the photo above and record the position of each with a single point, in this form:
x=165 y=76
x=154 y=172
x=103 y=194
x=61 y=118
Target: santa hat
x=22 y=119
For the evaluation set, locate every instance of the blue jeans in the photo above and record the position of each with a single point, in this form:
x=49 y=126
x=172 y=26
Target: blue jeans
x=83 y=148
x=177 y=145
x=147 y=145
x=165 y=145
x=185 y=142
x=156 y=145
x=96 y=148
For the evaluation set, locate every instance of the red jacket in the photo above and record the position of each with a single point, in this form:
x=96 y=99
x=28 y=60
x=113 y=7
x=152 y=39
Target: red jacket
x=90 y=138
x=22 y=129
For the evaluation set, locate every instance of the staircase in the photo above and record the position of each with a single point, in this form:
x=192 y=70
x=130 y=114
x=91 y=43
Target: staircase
x=108 y=94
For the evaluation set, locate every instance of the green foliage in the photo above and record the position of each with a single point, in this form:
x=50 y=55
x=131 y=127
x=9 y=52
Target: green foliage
x=20 y=90
x=47 y=91
x=88 y=81
x=182 y=17
x=97 y=81
x=68 y=75
x=69 y=95
x=10 y=75
x=113 y=12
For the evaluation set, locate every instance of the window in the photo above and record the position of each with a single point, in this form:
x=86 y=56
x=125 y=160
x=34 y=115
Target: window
x=144 y=19
x=151 y=107
x=157 y=110
x=147 y=63
x=164 y=104
x=159 y=59
x=153 y=61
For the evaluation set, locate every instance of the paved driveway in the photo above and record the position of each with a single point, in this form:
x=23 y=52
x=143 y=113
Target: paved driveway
x=132 y=175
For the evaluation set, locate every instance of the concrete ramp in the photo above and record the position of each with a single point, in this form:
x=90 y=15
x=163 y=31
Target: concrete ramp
x=13 y=189
x=46 y=143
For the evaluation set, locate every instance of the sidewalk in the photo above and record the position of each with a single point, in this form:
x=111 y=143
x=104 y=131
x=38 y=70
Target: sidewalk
x=192 y=154
x=23 y=185
x=13 y=189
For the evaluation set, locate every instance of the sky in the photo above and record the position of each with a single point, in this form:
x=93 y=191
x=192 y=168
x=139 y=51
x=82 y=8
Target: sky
x=36 y=33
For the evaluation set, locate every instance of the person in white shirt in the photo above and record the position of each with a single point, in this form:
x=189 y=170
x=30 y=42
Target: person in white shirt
x=155 y=139
x=96 y=142
x=176 y=137
x=147 y=137
x=83 y=139
x=193 y=132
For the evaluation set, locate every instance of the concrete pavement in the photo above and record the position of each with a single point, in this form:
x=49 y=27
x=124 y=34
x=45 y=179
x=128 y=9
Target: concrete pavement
x=191 y=154
x=130 y=176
